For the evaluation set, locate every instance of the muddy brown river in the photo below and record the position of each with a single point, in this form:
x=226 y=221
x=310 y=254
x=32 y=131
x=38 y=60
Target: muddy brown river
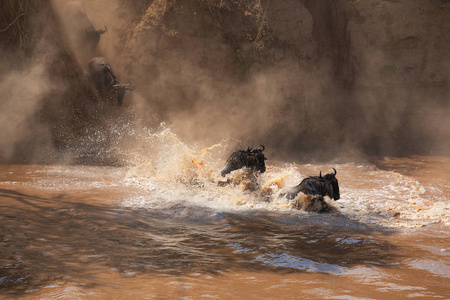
x=164 y=229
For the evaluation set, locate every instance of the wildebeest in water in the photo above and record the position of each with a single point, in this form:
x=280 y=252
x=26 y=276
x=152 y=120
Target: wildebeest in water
x=105 y=81
x=312 y=203
x=250 y=158
x=316 y=185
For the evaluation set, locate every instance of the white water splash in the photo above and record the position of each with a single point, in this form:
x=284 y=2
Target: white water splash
x=179 y=172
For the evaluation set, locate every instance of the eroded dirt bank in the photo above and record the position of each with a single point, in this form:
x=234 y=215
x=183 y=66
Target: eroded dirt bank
x=305 y=78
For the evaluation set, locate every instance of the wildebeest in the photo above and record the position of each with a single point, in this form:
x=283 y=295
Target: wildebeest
x=105 y=81
x=250 y=158
x=93 y=36
x=313 y=203
x=80 y=32
x=316 y=185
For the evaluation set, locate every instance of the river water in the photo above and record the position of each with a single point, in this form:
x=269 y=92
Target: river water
x=162 y=228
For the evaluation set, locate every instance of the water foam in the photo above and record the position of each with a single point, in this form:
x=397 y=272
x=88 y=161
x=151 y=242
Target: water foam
x=172 y=172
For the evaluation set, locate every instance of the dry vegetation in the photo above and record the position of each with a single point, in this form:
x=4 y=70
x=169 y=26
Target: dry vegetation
x=13 y=14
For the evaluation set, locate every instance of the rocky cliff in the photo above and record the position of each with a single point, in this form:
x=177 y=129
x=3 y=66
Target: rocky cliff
x=309 y=79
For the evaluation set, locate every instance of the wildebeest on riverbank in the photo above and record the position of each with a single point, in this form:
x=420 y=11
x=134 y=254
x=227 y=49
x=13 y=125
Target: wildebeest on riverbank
x=81 y=34
x=105 y=81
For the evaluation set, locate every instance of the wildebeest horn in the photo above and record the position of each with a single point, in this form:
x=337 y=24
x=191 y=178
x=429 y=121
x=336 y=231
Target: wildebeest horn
x=103 y=31
x=320 y=174
x=116 y=86
x=262 y=148
x=334 y=171
x=127 y=85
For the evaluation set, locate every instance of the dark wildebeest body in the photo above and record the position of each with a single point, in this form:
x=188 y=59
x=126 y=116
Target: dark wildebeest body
x=316 y=185
x=105 y=81
x=250 y=158
x=80 y=31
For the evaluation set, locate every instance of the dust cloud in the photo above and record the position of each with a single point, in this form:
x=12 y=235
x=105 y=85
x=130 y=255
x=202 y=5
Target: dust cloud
x=22 y=93
x=26 y=86
x=232 y=72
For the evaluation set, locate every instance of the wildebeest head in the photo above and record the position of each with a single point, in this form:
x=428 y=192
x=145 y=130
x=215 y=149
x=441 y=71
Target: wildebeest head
x=93 y=36
x=119 y=90
x=258 y=153
x=331 y=178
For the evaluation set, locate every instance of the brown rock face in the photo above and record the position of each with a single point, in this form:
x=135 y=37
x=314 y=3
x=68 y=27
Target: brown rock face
x=401 y=73
x=308 y=79
x=305 y=76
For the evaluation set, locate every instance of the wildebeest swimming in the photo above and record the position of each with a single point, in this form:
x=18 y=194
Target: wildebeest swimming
x=105 y=81
x=250 y=158
x=312 y=203
x=316 y=185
